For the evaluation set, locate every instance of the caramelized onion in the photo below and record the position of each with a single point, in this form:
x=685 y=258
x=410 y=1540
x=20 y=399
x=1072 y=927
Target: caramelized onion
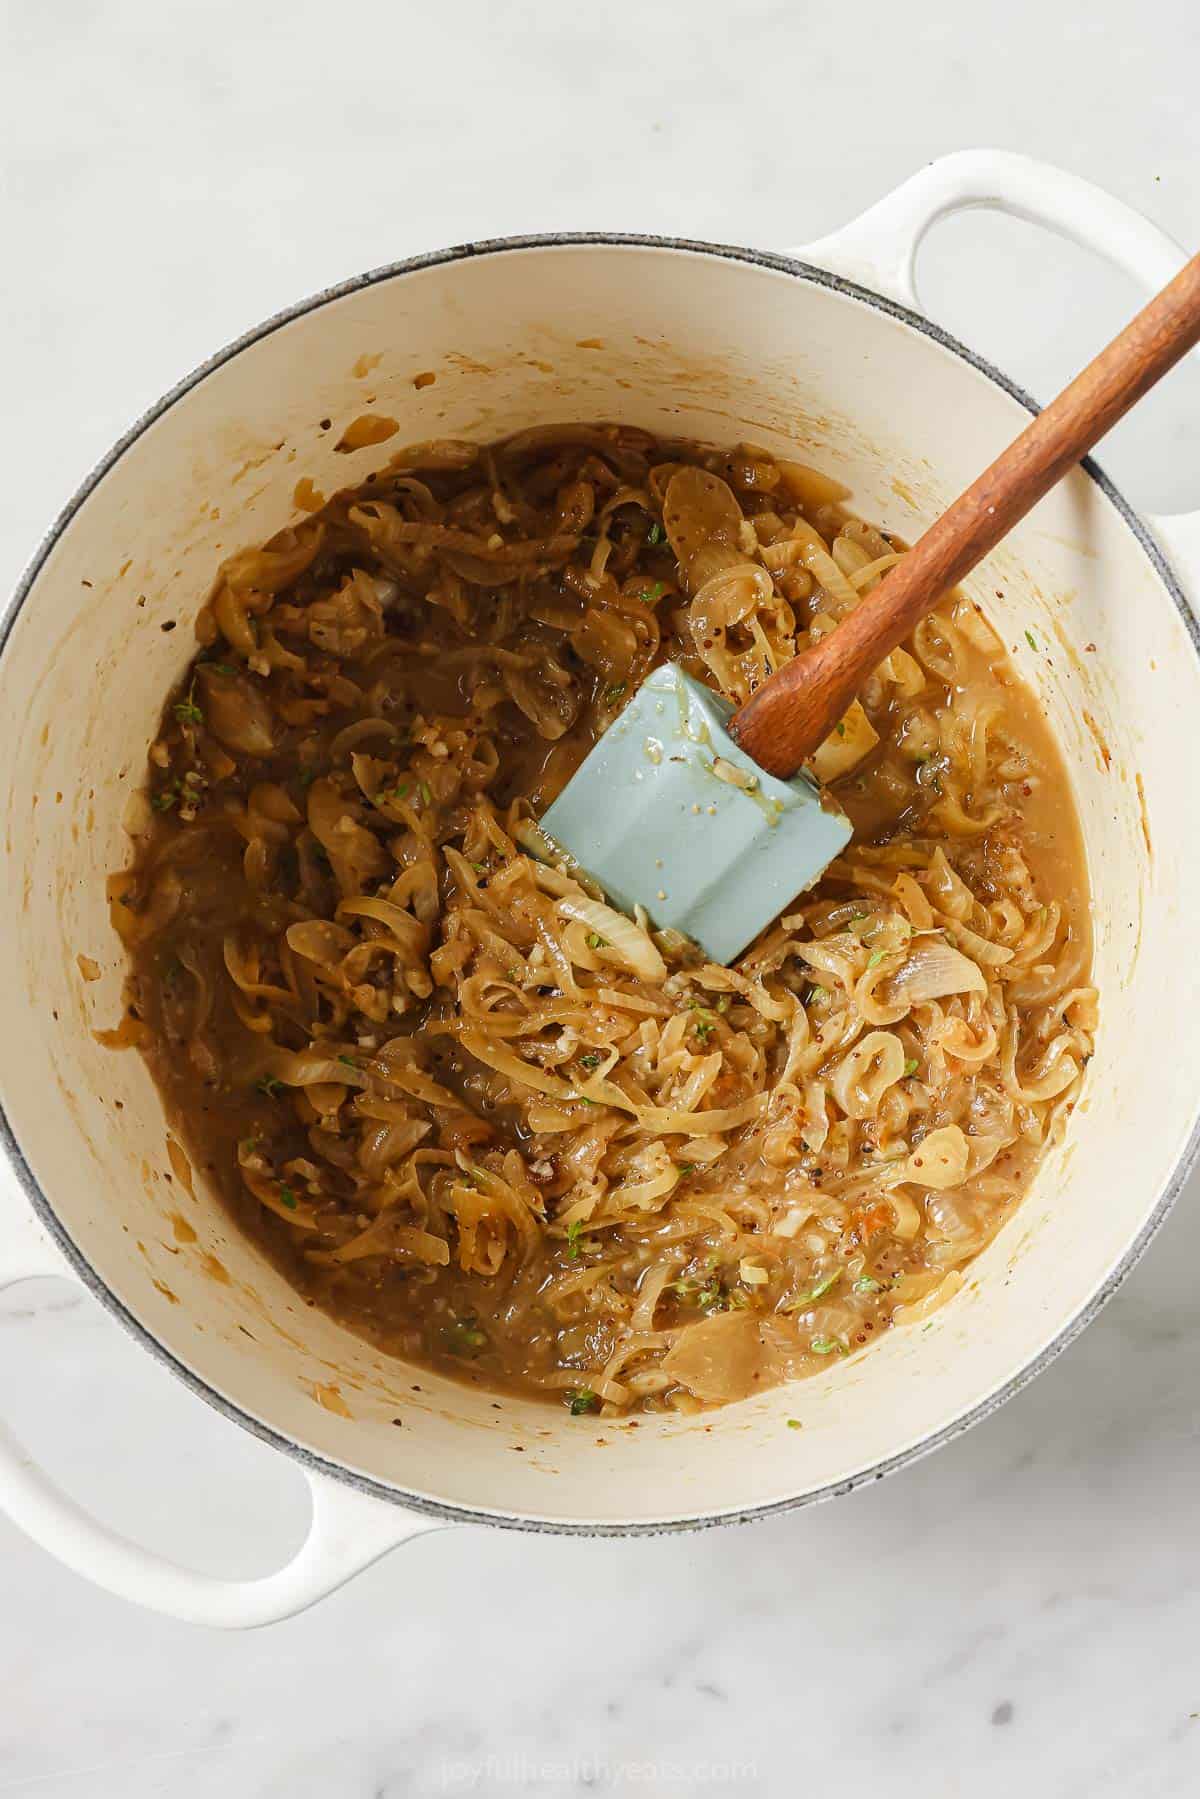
x=699 y=510
x=933 y=970
x=488 y=1120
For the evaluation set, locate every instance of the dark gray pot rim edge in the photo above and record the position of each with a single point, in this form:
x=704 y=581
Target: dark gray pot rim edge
x=457 y=1514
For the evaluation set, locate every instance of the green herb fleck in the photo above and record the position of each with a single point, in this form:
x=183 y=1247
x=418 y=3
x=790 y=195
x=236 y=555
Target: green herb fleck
x=1031 y=640
x=827 y=1346
x=595 y=941
x=612 y=694
x=463 y=1337
x=876 y=957
x=709 y=1294
x=166 y=798
x=814 y=993
x=248 y=1145
x=686 y=1168
x=574 y=1231
x=592 y=1060
x=723 y=1003
x=704 y=1029
x=580 y=1400
x=269 y=1085
x=815 y=1293
x=479 y=867
x=307 y=776
x=840 y=727
x=186 y=710
x=655 y=533
x=425 y=793
x=911 y=1065
x=349 y=1061
x=287 y=1198
x=865 y=1284
x=651 y=594
x=794 y=1424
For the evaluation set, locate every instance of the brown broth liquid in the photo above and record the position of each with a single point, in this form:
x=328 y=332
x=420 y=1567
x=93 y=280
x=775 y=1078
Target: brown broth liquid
x=211 y=873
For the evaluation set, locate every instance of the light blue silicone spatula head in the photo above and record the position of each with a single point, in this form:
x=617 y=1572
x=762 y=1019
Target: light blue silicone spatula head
x=668 y=813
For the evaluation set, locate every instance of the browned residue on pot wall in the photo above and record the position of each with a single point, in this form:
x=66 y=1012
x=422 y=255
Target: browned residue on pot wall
x=1144 y=815
x=368 y=428
x=330 y=1398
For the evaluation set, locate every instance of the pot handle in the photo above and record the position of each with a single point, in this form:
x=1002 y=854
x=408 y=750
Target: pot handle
x=349 y=1530
x=878 y=249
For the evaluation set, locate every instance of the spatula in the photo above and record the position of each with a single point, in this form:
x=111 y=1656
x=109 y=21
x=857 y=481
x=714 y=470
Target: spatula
x=698 y=813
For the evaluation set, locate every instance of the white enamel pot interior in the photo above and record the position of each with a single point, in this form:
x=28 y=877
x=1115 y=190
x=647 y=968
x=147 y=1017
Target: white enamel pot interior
x=678 y=338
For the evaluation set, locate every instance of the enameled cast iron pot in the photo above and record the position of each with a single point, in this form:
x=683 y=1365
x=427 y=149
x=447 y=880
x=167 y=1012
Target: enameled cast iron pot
x=824 y=356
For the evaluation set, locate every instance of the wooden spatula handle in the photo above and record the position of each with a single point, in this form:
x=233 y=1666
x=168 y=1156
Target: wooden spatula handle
x=782 y=724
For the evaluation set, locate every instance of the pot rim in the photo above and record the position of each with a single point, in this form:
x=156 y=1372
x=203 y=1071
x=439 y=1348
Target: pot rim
x=83 y=1269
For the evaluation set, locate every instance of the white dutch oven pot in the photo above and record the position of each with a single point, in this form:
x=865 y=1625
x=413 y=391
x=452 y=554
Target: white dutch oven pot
x=826 y=357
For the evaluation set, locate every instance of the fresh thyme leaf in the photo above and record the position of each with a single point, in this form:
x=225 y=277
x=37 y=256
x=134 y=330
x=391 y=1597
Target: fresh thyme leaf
x=865 y=1284
x=595 y=941
x=612 y=694
x=580 y=1400
x=794 y=1424
x=815 y=1293
x=1031 y=640
x=287 y=1198
x=463 y=1337
x=574 y=1231
x=655 y=534
x=876 y=957
x=186 y=710
x=425 y=793
x=911 y=1065
x=592 y=1060
x=827 y=1346
x=349 y=1061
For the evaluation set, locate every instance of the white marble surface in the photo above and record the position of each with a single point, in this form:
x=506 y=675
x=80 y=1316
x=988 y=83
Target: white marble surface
x=1021 y=1610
